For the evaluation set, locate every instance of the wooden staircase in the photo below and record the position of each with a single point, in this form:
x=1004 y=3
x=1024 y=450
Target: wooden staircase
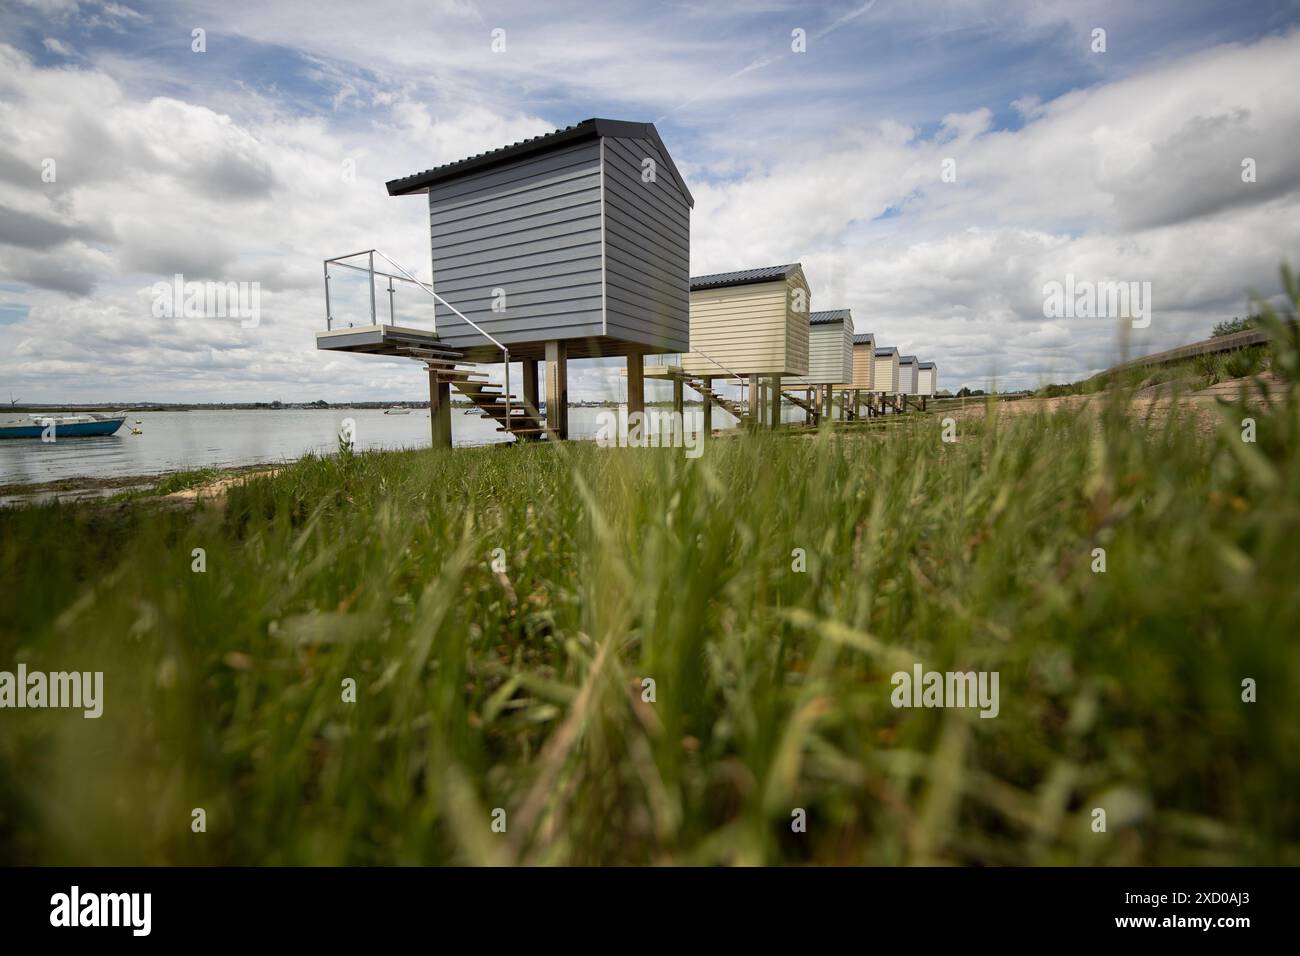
x=510 y=413
x=734 y=408
x=801 y=402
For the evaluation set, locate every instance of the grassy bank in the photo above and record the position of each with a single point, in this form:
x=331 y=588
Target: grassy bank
x=522 y=689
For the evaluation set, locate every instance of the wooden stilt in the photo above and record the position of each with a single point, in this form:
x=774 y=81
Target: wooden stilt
x=557 y=388
x=439 y=410
x=776 y=402
x=531 y=395
x=707 y=426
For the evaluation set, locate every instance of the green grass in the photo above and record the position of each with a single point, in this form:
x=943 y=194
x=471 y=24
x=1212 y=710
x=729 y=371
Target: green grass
x=1189 y=375
x=522 y=690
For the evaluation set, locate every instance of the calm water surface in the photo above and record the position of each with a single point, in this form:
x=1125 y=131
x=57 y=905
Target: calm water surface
x=173 y=441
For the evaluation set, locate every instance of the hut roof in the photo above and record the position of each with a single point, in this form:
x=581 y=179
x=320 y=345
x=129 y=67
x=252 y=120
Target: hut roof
x=744 y=277
x=832 y=315
x=587 y=129
x=886 y=351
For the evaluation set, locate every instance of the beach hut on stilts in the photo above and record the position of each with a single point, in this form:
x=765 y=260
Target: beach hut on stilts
x=830 y=361
x=862 y=383
x=927 y=379
x=886 y=375
x=570 y=245
x=749 y=327
x=907 y=378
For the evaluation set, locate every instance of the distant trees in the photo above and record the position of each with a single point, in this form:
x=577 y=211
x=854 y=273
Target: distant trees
x=1056 y=391
x=1235 y=325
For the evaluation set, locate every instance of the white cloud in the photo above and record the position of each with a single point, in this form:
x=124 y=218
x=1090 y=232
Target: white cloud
x=1136 y=178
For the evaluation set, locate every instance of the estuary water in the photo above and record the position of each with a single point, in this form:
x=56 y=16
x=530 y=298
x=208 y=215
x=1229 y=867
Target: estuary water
x=218 y=438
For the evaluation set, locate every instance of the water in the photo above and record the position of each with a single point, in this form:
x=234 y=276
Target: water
x=175 y=441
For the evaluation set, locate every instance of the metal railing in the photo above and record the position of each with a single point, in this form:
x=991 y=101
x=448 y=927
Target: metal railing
x=406 y=276
x=736 y=375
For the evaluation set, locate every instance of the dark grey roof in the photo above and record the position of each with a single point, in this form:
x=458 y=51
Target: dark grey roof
x=831 y=315
x=908 y=360
x=587 y=129
x=926 y=365
x=864 y=338
x=886 y=351
x=720 y=280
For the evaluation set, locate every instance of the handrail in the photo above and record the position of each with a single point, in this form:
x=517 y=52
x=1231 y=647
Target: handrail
x=736 y=375
x=505 y=352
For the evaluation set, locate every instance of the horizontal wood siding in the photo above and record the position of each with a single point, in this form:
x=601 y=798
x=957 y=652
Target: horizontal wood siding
x=531 y=229
x=907 y=378
x=830 y=353
x=741 y=327
x=796 y=328
x=864 y=361
x=886 y=375
x=925 y=381
x=647 y=248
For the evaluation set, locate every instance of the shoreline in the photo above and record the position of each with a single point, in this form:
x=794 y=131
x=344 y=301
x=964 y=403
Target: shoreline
x=105 y=487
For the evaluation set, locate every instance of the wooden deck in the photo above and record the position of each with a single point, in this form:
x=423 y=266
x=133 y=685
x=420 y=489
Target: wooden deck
x=376 y=339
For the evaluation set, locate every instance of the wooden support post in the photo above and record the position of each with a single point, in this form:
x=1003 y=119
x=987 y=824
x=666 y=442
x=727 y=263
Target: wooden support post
x=439 y=410
x=530 y=393
x=808 y=412
x=678 y=399
x=557 y=388
x=707 y=427
x=755 y=406
x=776 y=402
x=635 y=385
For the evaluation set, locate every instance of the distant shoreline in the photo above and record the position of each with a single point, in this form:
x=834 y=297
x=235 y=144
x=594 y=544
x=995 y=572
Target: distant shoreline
x=21 y=409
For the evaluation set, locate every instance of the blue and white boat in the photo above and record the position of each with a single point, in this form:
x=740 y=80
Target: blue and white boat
x=61 y=426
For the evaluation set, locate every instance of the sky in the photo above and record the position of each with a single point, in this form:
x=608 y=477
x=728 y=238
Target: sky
x=128 y=156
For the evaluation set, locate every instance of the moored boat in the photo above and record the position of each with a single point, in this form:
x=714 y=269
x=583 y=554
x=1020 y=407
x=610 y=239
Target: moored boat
x=397 y=410
x=61 y=426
